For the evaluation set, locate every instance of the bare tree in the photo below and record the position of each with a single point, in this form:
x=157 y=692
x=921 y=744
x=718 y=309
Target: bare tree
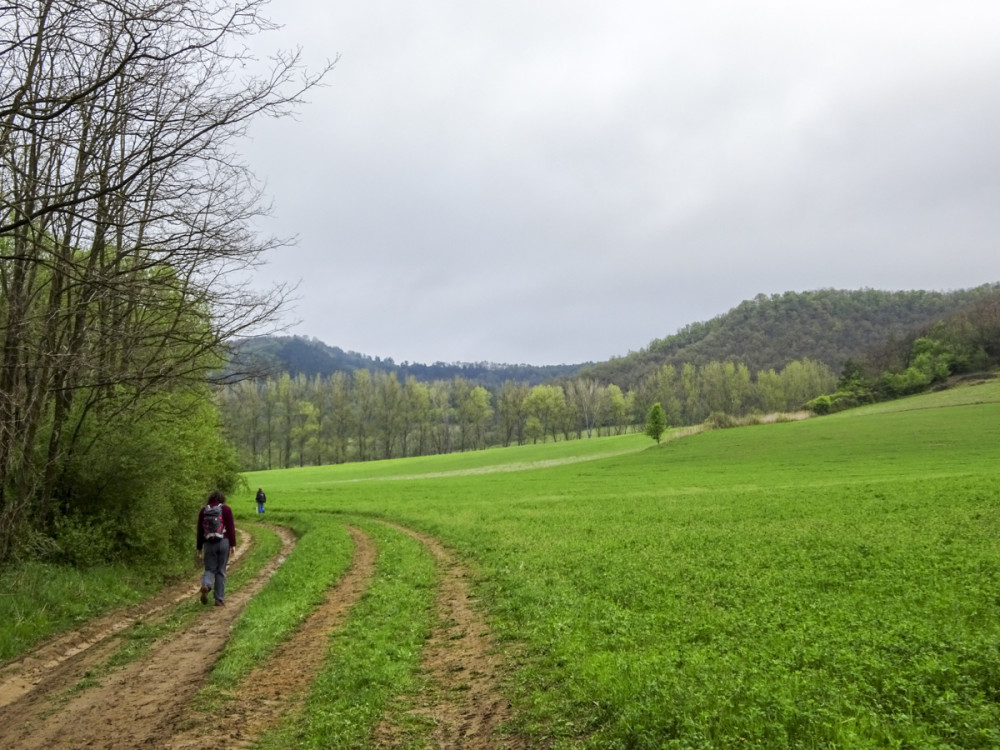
x=584 y=396
x=125 y=214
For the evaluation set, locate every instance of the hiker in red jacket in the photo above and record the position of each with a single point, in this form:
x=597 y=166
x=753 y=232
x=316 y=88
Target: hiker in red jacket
x=217 y=538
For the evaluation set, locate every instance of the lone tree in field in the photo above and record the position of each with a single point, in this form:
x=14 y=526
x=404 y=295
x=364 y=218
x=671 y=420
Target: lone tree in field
x=656 y=422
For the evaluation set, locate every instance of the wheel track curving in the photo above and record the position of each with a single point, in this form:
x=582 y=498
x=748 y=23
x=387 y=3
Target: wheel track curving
x=54 y=662
x=148 y=703
x=462 y=697
x=280 y=685
x=130 y=707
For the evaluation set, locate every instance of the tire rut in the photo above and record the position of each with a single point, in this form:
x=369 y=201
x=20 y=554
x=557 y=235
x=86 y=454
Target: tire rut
x=56 y=660
x=462 y=697
x=139 y=704
x=149 y=703
x=280 y=685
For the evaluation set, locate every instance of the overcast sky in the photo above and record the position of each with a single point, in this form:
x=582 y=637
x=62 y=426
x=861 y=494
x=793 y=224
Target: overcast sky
x=556 y=182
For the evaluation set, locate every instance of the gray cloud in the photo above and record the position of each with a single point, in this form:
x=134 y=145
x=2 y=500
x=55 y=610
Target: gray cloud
x=555 y=182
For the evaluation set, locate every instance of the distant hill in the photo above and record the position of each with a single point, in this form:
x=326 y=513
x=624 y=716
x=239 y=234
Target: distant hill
x=827 y=325
x=309 y=356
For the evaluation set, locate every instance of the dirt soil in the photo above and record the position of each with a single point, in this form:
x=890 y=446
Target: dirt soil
x=462 y=696
x=149 y=703
x=55 y=661
x=281 y=684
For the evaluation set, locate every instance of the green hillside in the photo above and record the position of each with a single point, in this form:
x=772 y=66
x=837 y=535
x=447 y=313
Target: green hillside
x=827 y=325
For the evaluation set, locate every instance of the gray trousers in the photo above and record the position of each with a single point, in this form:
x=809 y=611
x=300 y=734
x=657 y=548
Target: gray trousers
x=216 y=558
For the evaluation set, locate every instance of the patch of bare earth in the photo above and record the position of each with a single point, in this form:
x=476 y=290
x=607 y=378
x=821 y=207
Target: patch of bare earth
x=462 y=696
x=281 y=684
x=136 y=706
x=149 y=703
x=56 y=660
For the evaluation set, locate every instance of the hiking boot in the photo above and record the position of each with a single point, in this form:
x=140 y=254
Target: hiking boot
x=219 y=603
x=204 y=593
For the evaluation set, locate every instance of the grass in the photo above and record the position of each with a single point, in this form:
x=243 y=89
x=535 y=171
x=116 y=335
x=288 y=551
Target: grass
x=513 y=458
x=827 y=583
x=374 y=657
x=266 y=545
x=38 y=600
x=322 y=554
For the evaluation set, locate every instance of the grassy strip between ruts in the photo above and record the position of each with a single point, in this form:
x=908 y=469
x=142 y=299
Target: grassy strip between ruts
x=136 y=641
x=266 y=544
x=321 y=555
x=375 y=656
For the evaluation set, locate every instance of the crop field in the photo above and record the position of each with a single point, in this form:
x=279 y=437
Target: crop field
x=826 y=583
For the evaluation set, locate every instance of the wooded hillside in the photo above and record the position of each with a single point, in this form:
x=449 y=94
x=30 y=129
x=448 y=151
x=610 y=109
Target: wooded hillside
x=827 y=325
x=897 y=343
x=297 y=355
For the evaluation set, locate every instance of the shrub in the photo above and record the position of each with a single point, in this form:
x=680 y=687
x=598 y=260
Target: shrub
x=719 y=420
x=82 y=542
x=820 y=405
x=134 y=493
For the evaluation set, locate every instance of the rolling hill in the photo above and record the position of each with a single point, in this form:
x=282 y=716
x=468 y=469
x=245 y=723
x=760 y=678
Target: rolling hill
x=826 y=325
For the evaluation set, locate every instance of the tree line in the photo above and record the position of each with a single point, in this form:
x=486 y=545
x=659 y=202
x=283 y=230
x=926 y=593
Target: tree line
x=286 y=421
x=309 y=356
x=126 y=223
x=827 y=325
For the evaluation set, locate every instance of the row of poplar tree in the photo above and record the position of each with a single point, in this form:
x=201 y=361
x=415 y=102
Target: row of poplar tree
x=360 y=416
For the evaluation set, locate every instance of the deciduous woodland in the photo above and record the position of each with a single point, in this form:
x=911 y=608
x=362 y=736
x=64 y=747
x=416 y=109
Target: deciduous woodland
x=125 y=217
x=367 y=413
x=298 y=421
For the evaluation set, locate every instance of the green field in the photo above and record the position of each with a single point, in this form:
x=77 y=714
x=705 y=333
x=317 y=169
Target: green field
x=830 y=583
x=827 y=583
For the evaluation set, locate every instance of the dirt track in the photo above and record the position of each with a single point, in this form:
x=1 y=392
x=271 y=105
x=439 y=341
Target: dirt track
x=462 y=695
x=148 y=703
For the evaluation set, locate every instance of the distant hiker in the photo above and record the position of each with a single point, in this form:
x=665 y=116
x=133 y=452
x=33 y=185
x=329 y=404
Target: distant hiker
x=217 y=538
x=261 y=499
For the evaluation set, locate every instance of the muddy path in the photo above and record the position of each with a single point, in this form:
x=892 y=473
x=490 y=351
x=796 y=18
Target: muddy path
x=280 y=685
x=130 y=707
x=462 y=696
x=55 y=662
x=151 y=702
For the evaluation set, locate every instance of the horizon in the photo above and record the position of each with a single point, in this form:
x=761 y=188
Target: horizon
x=501 y=364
